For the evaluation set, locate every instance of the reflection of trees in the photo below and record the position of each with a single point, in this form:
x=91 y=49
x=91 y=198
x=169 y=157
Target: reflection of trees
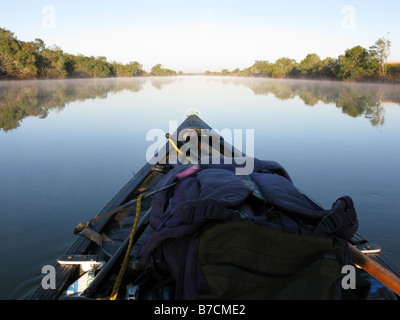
x=354 y=99
x=159 y=83
x=21 y=99
x=376 y=116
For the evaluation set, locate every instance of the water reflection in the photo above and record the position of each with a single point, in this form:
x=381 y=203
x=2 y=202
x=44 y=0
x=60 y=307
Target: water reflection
x=160 y=83
x=21 y=99
x=354 y=99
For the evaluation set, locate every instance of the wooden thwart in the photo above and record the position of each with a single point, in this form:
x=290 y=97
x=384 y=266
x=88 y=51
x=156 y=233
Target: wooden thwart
x=377 y=271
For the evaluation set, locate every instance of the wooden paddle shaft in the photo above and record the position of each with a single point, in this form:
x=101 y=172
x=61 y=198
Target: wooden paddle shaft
x=380 y=273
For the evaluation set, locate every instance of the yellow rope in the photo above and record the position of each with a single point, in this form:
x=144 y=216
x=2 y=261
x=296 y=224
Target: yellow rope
x=117 y=284
x=177 y=149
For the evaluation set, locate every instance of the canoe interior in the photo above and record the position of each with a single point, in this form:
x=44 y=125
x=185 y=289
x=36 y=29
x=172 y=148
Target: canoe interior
x=115 y=229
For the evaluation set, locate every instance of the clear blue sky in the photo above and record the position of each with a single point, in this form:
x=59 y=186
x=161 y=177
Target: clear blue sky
x=195 y=36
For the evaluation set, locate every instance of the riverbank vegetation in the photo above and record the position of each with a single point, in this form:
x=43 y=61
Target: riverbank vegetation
x=356 y=64
x=34 y=60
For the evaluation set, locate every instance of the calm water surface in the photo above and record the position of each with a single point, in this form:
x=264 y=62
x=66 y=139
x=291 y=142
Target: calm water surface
x=68 y=146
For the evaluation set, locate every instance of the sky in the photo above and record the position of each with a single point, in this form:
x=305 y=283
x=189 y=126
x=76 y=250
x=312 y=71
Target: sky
x=195 y=36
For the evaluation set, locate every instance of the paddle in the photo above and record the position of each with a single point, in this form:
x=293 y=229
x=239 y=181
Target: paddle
x=380 y=273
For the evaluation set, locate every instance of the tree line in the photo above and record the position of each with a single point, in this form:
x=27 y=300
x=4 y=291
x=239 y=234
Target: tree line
x=33 y=59
x=355 y=64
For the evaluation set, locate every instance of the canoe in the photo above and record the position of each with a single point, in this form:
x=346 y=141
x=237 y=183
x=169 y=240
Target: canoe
x=90 y=267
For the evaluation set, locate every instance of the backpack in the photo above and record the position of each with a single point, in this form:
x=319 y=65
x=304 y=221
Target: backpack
x=225 y=236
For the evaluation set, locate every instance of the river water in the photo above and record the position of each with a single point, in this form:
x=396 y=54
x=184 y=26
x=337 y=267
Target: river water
x=68 y=146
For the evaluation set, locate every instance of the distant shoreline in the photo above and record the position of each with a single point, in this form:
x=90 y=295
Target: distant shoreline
x=363 y=81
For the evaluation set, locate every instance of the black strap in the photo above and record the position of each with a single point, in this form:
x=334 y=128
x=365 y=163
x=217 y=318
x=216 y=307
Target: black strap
x=341 y=220
x=197 y=211
x=181 y=276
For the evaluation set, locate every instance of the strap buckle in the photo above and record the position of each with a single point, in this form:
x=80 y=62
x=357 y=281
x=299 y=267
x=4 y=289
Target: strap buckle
x=333 y=221
x=213 y=212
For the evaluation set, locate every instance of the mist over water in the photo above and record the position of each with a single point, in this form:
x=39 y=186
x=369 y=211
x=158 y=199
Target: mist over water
x=68 y=146
x=21 y=99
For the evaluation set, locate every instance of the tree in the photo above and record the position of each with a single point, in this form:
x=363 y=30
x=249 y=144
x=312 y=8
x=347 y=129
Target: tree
x=8 y=47
x=260 y=68
x=20 y=59
x=309 y=65
x=17 y=58
x=282 y=67
x=326 y=68
x=158 y=70
x=381 y=50
x=132 y=69
x=91 y=67
x=39 y=44
x=51 y=63
x=356 y=64
x=225 y=72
